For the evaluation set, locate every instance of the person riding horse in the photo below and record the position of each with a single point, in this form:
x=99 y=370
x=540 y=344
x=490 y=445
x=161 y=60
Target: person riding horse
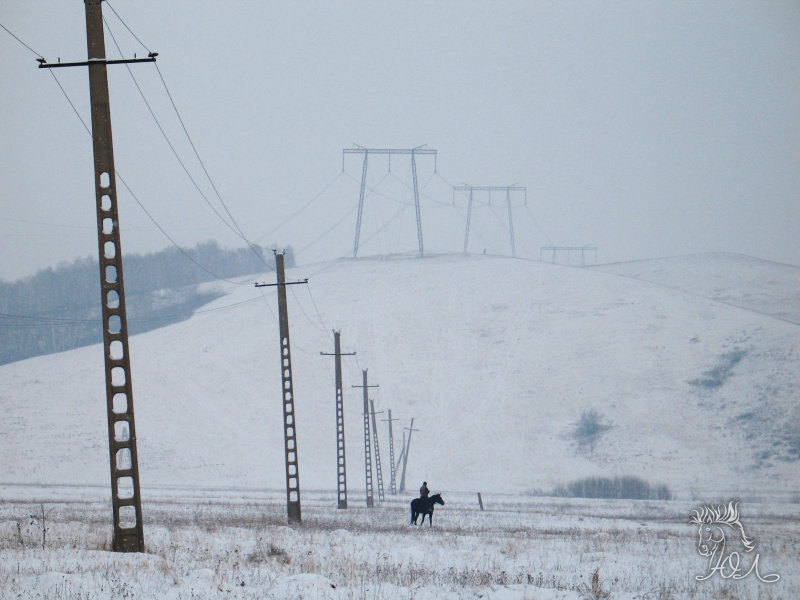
x=424 y=505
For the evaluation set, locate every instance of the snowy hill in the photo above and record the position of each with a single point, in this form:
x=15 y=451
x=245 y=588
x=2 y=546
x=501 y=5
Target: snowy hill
x=496 y=359
x=762 y=286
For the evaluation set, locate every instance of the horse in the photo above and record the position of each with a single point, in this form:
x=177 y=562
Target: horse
x=424 y=506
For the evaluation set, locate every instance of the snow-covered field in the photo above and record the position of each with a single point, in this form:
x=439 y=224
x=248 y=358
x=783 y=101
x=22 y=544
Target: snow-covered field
x=690 y=364
x=207 y=544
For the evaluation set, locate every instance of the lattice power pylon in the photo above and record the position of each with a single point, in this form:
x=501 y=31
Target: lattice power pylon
x=508 y=189
x=414 y=152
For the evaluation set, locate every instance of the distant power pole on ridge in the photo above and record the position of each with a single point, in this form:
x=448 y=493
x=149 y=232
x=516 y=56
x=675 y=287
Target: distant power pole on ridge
x=389 y=151
x=508 y=189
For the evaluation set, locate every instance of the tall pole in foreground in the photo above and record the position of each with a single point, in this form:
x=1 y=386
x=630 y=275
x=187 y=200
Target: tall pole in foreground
x=367 y=451
x=341 y=467
x=410 y=430
x=393 y=470
x=124 y=460
x=289 y=424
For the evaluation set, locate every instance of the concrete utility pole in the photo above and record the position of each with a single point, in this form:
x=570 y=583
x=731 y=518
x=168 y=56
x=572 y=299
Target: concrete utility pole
x=392 y=486
x=378 y=470
x=125 y=497
x=410 y=430
x=508 y=189
x=367 y=451
x=419 y=150
x=289 y=424
x=341 y=467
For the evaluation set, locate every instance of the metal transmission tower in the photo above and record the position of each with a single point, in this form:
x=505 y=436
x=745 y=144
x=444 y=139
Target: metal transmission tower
x=419 y=150
x=289 y=423
x=341 y=466
x=410 y=430
x=124 y=461
x=367 y=451
x=392 y=468
x=490 y=188
x=378 y=470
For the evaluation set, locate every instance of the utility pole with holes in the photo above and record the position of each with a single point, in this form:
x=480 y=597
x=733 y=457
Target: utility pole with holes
x=341 y=467
x=378 y=470
x=125 y=497
x=392 y=486
x=289 y=422
x=367 y=452
x=410 y=430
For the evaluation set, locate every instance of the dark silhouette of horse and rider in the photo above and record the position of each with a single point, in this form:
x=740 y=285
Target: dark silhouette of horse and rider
x=424 y=505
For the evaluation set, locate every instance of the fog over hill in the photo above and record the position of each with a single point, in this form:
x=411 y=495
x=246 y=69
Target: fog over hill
x=496 y=360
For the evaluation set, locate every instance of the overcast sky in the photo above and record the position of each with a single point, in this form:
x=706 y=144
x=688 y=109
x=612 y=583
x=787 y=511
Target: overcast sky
x=645 y=128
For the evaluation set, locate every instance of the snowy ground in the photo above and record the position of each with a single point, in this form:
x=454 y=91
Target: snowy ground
x=691 y=364
x=496 y=359
x=225 y=544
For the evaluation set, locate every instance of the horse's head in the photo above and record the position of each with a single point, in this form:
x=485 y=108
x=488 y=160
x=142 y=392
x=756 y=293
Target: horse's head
x=710 y=537
x=437 y=499
x=710 y=534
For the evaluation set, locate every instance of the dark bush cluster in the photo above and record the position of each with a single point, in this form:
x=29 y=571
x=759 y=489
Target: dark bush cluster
x=614 y=488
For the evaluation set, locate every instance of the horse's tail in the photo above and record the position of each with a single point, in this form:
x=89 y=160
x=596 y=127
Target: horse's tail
x=412 y=511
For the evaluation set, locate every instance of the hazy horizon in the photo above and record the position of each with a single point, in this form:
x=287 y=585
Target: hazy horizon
x=647 y=130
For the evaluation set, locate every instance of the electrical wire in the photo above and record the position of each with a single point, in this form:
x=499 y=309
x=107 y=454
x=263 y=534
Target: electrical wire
x=236 y=228
x=536 y=222
x=326 y=232
x=166 y=137
x=316 y=309
x=20 y=41
x=302 y=208
x=126 y=26
x=303 y=311
x=130 y=191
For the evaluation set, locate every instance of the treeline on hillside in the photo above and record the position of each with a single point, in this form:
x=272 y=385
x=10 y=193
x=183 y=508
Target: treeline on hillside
x=59 y=308
x=626 y=487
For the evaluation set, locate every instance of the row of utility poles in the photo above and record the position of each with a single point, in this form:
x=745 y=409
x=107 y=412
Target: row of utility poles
x=370 y=431
x=128 y=533
x=368 y=413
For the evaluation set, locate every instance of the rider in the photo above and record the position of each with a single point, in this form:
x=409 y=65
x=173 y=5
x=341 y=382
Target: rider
x=424 y=491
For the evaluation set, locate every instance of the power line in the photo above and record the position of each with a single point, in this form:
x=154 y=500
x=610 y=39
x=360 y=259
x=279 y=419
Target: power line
x=302 y=208
x=203 y=166
x=130 y=191
x=316 y=309
x=126 y=26
x=192 y=144
x=166 y=138
x=327 y=231
x=20 y=41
